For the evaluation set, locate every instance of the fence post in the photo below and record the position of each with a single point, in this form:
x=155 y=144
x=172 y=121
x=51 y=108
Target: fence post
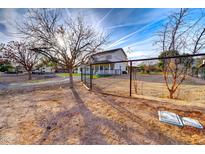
x=130 y=78
x=84 y=75
x=91 y=77
x=81 y=74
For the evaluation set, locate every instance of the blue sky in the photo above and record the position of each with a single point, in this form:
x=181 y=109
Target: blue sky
x=131 y=29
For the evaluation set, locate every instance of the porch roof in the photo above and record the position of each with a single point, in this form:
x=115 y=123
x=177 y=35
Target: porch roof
x=103 y=61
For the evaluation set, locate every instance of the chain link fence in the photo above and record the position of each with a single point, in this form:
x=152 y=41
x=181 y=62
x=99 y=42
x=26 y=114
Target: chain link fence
x=178 y=77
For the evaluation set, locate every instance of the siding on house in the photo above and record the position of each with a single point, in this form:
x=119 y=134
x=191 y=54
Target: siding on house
x=106 y=57
x=201 y=71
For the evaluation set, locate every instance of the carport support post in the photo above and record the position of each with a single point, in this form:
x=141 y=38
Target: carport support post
x=130 y=78
x=91 y=76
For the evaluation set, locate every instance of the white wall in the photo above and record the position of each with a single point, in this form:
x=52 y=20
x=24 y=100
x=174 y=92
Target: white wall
x=115 y=56
x=112 y=56
x=121 y=66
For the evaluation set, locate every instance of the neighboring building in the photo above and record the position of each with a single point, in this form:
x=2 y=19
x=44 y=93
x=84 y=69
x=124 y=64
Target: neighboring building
x=44 y=67
x=198 y=69
x=43 y=70
x=104 y=67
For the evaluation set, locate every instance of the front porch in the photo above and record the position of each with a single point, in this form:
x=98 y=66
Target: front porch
x=106 y=69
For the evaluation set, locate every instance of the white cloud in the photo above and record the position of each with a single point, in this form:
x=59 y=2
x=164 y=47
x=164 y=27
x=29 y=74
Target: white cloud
x=90 y=17
x=133 y=33
x=136 y=54
x=149 y=41
x=4 y=38
x=145 y=18
x=104 y=17
x=142 y=49
x=9 y=19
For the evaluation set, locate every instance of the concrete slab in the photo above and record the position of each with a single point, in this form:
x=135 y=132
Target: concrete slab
x=191 y=122
x=170 y=118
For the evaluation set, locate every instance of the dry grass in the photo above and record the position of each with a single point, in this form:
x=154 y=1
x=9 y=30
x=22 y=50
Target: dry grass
x=183 y=93
x=65 y=116
x=152 y=89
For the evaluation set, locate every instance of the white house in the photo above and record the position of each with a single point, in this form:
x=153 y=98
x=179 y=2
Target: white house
x=201 y=70
x=44 y=69
x=102 y=59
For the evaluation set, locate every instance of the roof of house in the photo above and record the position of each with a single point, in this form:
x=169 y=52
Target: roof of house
x=110 y=51
x=103 y=61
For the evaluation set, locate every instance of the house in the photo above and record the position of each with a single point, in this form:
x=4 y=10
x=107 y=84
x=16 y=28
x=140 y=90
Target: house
x=102 y=62
x=201 y=70
x=44 y=70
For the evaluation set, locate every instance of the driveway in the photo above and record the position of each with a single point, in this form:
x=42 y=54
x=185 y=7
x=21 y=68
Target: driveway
x=35 y=83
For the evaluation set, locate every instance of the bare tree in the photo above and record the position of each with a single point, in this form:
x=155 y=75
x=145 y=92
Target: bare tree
x=1 y=52
x=69 y=42
x=180 y=36
x=174 y=70
x=2 y=46
x=19 y=52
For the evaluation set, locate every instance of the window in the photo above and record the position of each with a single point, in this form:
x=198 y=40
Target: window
x=96 y=68
x=101 y=67
x=106 y=67
x=112 y=66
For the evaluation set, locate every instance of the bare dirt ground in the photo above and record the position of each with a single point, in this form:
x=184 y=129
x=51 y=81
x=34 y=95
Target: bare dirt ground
x=61 y=115
x=191 y=91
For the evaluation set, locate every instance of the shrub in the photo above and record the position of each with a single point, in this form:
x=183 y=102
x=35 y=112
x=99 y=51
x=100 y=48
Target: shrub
x=6 y=67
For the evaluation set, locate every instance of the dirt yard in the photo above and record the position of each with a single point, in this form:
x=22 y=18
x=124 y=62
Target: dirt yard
x=191 y=91
x=64 y=116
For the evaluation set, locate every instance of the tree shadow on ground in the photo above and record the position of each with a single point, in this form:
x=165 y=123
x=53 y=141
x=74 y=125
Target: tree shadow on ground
x=92 y=134
x=148 y=133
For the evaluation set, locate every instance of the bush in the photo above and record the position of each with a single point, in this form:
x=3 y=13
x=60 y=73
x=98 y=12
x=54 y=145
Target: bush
x=124 y=72
x=103 y=75
x=6 y=67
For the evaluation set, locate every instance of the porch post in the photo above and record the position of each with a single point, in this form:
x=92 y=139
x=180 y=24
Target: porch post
x=109 y=68
x=81 y=74
x=94 y=69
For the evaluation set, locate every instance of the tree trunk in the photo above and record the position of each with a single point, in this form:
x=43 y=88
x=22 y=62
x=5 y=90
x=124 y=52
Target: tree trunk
x=71 y=77
x=171 y=94
x=29 y=75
